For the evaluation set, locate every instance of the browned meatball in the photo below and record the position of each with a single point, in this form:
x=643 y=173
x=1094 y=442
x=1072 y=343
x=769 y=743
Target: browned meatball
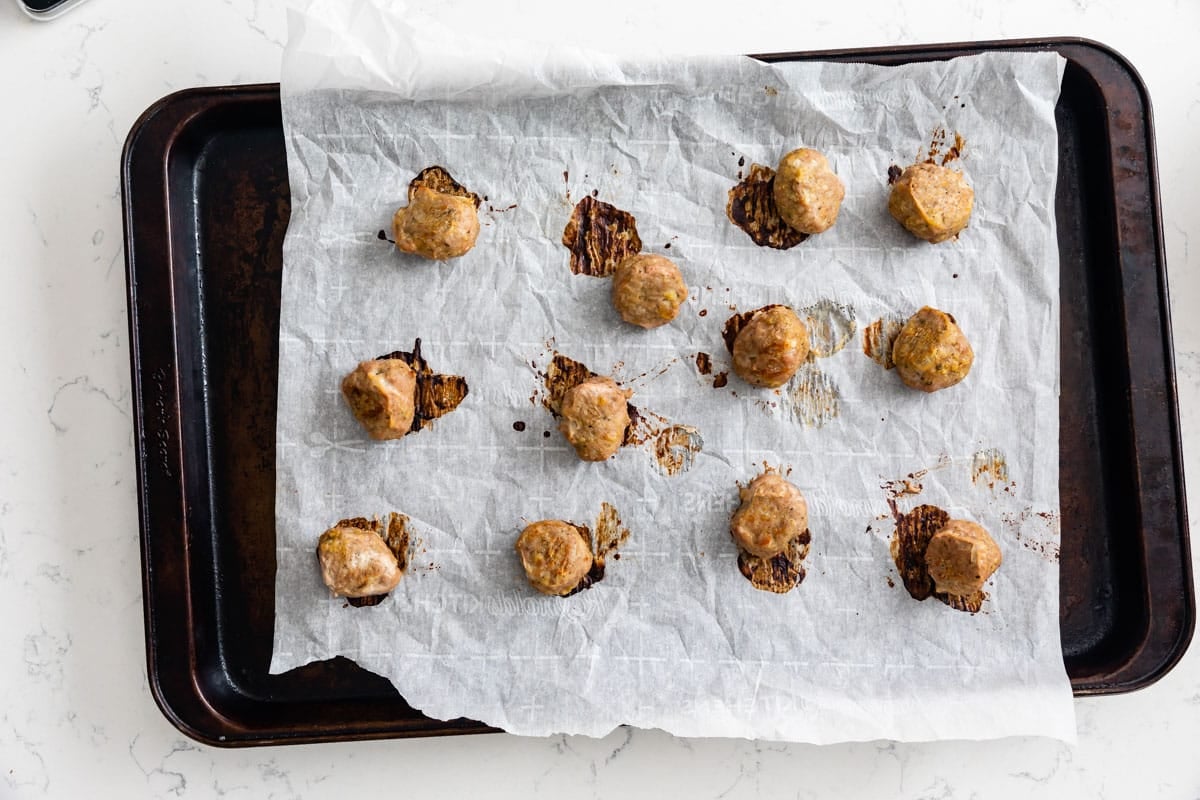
x=933 y=202
x=382 y=396
x=436 y=225
x=771 y=347
x=772 y=513
x=931 y=352
x=961 y=557
x=807 y=192
x=595 y=415
x=357 y=562
x=555 y=554
x=647 y=290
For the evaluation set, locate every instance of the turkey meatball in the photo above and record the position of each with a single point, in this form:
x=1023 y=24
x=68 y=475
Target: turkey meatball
x=647 y=290
x=773 y=513
x=555 y=554
x=382 y=396
x=357 y=562
x=931 y=352
x=770 y=347
x=436 y=225
x=933 y=202
x=961 y=557
x=595 y=415
x=808 y=194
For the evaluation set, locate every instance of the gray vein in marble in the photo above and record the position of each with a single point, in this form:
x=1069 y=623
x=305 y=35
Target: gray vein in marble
x=176 y=781
x=44 y=654
x=37 y=225
x=85 y=383
x=628 y=731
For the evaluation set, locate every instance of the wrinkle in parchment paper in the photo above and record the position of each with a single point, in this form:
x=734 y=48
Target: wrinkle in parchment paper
x=674 y=636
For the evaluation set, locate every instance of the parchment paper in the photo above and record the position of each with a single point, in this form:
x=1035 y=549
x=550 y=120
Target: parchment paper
x=673 y=637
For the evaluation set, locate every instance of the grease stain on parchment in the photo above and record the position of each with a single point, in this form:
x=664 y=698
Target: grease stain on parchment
x=811 y=397
x=989 y=468
x=831 y=326
x=673 y=446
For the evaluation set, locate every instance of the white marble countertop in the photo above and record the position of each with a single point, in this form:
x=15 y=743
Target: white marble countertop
x=76 y=715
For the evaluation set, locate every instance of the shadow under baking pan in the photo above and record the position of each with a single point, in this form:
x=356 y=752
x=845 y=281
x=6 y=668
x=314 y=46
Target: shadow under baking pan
x=204 y=180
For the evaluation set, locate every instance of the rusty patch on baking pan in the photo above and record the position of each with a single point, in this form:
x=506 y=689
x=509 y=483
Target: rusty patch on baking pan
x=988 y=468
x=673 y=446
x=395 y=536
x=780 y=573
x=909 y=541
x=751 y=207
x=436 y=394
x=439 y=180
x=879 y=337
x=600 y=236
x=831 y=325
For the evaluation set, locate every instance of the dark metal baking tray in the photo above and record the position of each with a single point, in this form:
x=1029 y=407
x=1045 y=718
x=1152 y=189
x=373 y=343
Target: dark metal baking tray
x=206 y=201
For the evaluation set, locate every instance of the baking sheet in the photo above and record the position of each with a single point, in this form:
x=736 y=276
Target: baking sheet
x=674 y=637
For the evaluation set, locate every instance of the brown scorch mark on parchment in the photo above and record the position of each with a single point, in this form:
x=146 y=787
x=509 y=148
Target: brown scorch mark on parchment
x=600 y=236
x=610 y=534
x=989 y=468
x=780 y=573
x=439 y=180
x=831 y=326
x=395 y=535
x=751 y=207
x=704 y=363
x=938 y=147
x=879 y=338
x=907 y=486
x=911 y=538
x=436 y=394
x=674 y=447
